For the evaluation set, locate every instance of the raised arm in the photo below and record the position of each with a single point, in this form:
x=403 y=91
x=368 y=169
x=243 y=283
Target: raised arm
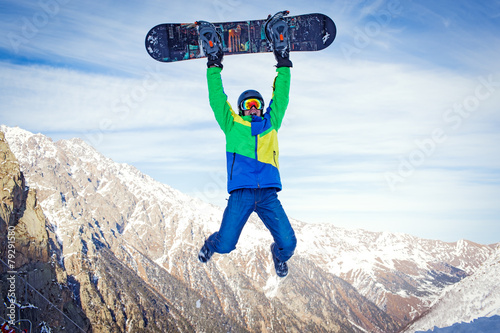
x=279 y=102
x=223 y=111
x=277 y=31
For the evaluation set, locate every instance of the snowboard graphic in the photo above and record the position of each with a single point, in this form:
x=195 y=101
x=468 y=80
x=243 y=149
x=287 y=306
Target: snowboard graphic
x=171 y=42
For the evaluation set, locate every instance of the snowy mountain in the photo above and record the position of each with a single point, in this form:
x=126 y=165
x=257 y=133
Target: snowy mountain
x=118 y=227
x=480 y=325
x=474 y=297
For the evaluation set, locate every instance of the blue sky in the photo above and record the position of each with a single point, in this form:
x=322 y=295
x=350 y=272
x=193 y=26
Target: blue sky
x=395 y=127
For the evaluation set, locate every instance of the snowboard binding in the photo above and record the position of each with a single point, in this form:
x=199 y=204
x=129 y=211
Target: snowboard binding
x=278 y=33
x=211 y=42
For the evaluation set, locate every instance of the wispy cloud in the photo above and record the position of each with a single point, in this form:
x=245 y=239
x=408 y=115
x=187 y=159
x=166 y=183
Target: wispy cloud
x=398 y=93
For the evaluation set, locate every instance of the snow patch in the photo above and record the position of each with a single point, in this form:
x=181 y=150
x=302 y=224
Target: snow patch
x=272 y=286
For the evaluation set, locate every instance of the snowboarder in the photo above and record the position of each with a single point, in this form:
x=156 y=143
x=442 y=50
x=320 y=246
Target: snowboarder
x=251 y=149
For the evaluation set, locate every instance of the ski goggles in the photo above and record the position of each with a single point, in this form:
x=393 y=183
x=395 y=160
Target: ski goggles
x=248 y=103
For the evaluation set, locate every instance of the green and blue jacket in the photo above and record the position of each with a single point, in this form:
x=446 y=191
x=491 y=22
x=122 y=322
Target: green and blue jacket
x=251 y=142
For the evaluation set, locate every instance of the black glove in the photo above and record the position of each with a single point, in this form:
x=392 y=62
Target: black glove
x=215 y=60
x=283 y=60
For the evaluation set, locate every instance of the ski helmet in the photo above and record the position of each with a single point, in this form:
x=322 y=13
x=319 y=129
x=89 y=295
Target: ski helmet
x=249 y=94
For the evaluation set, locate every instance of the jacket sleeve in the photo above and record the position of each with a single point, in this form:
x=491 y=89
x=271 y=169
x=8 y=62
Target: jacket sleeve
x=281 y=90
x=223 y=111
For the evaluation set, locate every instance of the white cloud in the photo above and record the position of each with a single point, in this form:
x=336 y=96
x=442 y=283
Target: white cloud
x=351 y=120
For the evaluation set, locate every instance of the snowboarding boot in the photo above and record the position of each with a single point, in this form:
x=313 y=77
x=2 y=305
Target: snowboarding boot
x=278 y=33
x=281 y=267
x=211 y=43
x=205 y=254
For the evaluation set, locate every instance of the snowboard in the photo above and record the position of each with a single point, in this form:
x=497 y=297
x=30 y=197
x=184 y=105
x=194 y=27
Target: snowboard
x=171 y=42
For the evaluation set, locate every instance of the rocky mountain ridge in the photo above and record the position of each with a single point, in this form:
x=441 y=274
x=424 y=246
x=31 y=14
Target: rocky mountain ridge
x=31 y=267
x=109 y=215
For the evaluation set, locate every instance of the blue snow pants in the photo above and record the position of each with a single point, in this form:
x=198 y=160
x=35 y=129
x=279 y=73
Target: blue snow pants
x=265 y=203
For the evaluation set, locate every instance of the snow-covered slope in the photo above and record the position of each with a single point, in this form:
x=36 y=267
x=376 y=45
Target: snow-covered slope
x=481 y=325
x=474 y=297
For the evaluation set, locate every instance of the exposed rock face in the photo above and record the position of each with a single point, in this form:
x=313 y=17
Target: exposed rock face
x=34 y=284
x=129 y=246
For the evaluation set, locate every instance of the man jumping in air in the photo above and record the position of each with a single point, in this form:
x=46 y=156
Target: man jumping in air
x=251 y=149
